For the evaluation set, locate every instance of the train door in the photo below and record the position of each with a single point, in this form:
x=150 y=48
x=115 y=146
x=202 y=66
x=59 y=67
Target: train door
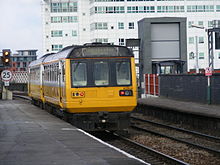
x=42 y=82
x=61 y=81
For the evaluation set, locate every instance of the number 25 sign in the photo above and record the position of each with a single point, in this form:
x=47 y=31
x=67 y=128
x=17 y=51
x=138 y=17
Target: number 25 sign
x=6 y=75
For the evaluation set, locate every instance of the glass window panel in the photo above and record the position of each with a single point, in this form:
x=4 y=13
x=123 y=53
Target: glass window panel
x=79 y=74
x=201 y=55
x=123 y=73
x=101 y=73
x=201 y=40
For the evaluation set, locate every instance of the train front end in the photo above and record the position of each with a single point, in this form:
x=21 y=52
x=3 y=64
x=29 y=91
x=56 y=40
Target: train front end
x=101 y=87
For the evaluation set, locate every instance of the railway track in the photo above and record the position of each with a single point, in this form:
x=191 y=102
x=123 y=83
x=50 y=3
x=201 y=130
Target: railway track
x=148 y=154
x=145 y=153
x=195 y=139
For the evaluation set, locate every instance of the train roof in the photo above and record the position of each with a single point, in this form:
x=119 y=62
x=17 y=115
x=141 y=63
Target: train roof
x=85 y=51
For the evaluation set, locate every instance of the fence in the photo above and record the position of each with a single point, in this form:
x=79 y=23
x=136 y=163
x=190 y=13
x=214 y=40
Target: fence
x=190 y=88
x=151 y=84
x=19 y=81
x=183 y=87
x=19 y=77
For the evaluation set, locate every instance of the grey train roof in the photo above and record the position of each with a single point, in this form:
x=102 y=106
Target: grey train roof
x=83 y=51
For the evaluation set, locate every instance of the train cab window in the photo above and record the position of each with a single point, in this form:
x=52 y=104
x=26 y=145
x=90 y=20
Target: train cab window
x=123 y=73
x=79 y=74
x=101 y=73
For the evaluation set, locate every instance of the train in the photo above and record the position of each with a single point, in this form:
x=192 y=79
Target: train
x=93 y=86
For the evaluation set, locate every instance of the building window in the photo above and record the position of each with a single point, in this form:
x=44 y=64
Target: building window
x=107 y=9
x=210 y=23
x=64 y=19
x=99 y=26
x=64 y=7
x=140 y=9
x=170 y=9
x=131 y=25
x=218 y=8
x=201 y=55
x=191 y=40
x=200 y=8
x=200 y=23
x=201 y=40
x=74 y=33
x=191 y=55
x=190 y=23
x=57 y=47
x=57 y=33
x=120 y=25
x=102 y=40
x=121 y=41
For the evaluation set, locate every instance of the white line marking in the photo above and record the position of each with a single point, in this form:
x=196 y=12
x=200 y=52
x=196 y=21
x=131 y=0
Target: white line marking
x=117 y=149
x=69 y=129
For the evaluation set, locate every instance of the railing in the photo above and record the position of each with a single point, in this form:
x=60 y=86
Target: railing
x=19 y=77
x=151 y=84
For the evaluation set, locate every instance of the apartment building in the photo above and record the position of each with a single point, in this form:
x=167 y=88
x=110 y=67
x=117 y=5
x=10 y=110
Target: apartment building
x=69 y=22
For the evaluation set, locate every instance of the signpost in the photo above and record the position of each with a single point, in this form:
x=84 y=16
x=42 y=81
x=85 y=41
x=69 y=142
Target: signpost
x=208 y=73
x=6 y=76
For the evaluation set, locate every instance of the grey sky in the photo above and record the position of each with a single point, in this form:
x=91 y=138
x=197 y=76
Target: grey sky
x=20 y=25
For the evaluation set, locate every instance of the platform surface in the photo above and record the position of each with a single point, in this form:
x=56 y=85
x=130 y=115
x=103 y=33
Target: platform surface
x=182 y=106
x=31 y=136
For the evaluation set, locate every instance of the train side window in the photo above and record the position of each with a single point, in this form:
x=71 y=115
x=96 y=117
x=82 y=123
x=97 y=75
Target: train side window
x=79 y=74
x=101 y=73
x=63 y=72
x=123 y=73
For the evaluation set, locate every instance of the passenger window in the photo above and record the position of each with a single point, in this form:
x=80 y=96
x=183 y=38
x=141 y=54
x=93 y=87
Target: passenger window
x=79 y=74
x=123 y=73
x=101 y=73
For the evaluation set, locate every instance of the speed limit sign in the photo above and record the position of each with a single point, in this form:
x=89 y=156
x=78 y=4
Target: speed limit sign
x=6 y=75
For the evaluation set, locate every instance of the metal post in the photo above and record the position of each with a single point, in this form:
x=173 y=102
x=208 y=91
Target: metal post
x=197 y=56
x=210 y=48
x=209 y=90
x=154 y=80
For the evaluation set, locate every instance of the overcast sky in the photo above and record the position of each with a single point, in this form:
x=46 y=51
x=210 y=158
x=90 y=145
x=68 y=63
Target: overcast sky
x=20 y=25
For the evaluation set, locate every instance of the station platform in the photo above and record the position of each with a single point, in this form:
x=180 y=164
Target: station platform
x=206 y=110
x=31 y=136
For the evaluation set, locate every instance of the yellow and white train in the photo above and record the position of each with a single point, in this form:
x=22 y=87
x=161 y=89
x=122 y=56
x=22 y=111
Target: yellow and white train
x=93 y=86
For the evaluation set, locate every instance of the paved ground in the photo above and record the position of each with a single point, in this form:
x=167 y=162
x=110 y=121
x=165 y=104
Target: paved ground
x=187 y=107
x=31 y=136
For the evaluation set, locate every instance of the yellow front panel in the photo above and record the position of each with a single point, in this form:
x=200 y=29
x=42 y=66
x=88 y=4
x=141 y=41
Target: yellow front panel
x=94 y=99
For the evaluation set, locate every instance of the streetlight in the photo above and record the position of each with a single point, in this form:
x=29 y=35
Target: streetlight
x=197 y=54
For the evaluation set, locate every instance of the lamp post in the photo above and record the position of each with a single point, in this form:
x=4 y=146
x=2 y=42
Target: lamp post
x=197 y=53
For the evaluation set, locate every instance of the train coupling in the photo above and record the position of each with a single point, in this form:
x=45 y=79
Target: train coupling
x=103 y=116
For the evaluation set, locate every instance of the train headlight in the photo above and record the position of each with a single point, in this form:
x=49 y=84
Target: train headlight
x=78 y=94
x=125 y=93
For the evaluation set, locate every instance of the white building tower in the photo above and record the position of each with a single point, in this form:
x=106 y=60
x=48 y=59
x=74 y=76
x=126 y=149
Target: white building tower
x=68 y=22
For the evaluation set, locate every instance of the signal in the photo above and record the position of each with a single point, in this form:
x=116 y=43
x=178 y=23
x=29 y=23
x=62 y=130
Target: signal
x=6 y=58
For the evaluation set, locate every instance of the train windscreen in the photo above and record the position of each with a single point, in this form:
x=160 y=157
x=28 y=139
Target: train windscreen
x=101 y=72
